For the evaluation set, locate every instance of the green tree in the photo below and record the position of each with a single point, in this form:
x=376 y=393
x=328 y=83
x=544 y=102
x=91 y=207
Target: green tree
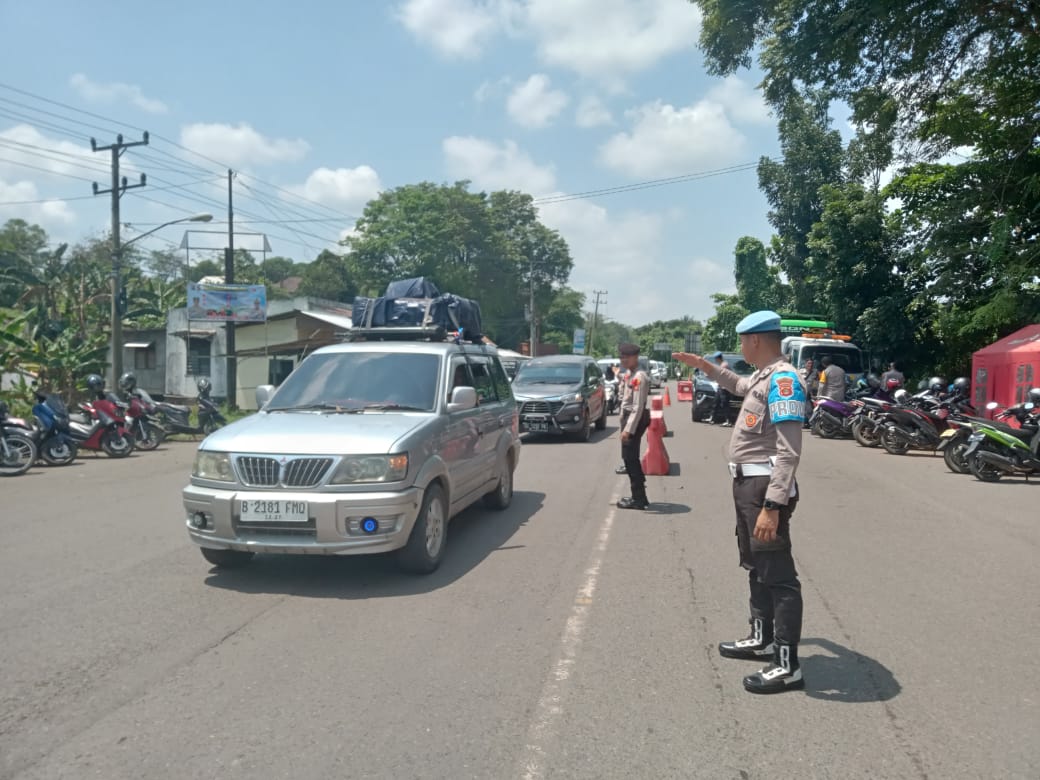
x=328 y=276
x=720 y=331
x=204 y=268
x=278 y=269
x=756 y=283
x=812 y=157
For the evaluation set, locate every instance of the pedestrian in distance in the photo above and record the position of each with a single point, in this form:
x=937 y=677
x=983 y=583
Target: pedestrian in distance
x=721 y=410
x=764 y=452
x=832 y=380
x=635 y=419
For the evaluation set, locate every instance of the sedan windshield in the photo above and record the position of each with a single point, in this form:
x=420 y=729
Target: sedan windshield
x=549 y=374
x=361 y=381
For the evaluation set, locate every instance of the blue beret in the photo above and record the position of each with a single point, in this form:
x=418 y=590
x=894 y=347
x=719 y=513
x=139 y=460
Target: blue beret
x=759 y=322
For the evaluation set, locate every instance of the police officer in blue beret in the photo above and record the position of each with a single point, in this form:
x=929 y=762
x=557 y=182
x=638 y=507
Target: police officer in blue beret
x=764 y=452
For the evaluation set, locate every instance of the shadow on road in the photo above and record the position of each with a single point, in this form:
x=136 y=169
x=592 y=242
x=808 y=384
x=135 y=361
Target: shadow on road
x=472 y=536
x=842 y=675
x=664 y=508
x=537 y=439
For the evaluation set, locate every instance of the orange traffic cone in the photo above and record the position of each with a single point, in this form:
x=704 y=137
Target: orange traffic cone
x=667 y=397
x=655 y=461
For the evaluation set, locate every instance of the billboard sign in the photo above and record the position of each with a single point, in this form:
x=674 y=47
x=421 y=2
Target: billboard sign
x=579 y=341
x=227 y=302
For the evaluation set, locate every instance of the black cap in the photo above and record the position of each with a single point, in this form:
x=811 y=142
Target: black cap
x=628 y=349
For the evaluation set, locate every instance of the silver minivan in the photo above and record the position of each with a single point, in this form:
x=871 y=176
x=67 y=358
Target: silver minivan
x=366 y=447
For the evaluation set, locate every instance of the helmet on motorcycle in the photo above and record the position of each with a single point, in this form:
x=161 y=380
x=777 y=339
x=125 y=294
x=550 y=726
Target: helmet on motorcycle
x=204 y=385
x=95 y=383
x=128 y=381
x=962 y=385
x=873 y=380
x=1034 y=395
x=936 y=384
x=902 y=396
x=892 y=385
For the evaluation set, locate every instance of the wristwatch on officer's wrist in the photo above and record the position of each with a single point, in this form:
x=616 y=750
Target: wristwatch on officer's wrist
x=768 y=504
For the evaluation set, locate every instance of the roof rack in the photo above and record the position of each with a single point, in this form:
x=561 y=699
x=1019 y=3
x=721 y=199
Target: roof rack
x=429 y=333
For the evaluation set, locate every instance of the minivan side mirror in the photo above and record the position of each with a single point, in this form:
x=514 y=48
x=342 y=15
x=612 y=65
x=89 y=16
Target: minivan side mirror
x=462 y=399
x=263 y=395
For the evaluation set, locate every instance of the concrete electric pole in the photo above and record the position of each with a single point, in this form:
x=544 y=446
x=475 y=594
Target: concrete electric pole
x=119 y=186
x=231 y=370
x=595 y=318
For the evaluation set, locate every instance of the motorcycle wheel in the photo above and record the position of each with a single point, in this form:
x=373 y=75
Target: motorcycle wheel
x=152 y=438
x=865 y=436
x=893 y=445
x=953 y=455
x=58 y=454
x=21 y=455
x=826 y=428
x=211 y=425
x=984 y=472
x=117 y=445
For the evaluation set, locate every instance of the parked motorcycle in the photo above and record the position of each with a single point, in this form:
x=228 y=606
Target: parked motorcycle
x=141 y=414
x=17 y=449
x=56 y=445
x=613 y=397
x=831 y=418
x=995 y=450
x=918 y=423
x=177 y=419
x=104 y=427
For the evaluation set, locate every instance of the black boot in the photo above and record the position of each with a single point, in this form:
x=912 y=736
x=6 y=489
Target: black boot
x=758 y=645
x=635 y=502
x=784 y=674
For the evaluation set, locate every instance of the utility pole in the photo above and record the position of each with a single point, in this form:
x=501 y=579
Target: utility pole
x=532 y=348
x=595 y=318
x=231 y=370
x=119 y=186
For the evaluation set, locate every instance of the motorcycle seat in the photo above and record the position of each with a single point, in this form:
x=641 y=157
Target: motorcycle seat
x=174 y=407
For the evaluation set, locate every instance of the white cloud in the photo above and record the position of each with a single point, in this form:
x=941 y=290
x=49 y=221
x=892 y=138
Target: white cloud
x=606 y=40
x=114 y=92
x=240 y=144
x=51 y=215
x=742 y=101
x=490 y=89
x=455 y=28
x=342 y=188
x=592 y=112
x=610 y=39
x=492 y=166
x=535 y=103
x=665 y=140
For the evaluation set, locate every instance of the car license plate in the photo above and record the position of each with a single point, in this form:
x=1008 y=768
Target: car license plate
x=538 y=426
x=262 y=510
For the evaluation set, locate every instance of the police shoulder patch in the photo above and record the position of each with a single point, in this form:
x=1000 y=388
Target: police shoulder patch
x=786 y=397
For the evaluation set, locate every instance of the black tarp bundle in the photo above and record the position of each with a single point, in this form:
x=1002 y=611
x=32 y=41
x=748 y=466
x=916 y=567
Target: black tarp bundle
x=416 y=303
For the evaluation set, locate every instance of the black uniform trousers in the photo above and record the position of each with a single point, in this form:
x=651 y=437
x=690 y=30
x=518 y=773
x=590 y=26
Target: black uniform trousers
x=776 y=594
x=630 y=454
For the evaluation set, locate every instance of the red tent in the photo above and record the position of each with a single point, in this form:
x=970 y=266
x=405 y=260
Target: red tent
x=1006 y=369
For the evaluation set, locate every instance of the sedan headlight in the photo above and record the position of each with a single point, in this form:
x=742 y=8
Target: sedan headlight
x=213 y=465
x=355 y=469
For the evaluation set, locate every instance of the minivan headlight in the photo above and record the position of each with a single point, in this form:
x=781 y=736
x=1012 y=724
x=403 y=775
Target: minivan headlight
x=355 y=469
x=213 y=465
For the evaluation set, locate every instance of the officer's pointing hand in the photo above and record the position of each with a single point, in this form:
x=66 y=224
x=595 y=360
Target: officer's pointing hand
x=691 y=360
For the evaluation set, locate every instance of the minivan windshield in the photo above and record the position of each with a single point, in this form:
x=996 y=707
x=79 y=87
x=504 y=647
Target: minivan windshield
x=359 y=381
x=537 y=372
x=850 y=360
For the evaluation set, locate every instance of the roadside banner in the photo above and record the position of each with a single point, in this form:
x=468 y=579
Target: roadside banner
x=579 y=341
x=227 y=302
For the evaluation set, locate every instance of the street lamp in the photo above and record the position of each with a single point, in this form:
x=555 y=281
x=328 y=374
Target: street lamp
x=116 y=344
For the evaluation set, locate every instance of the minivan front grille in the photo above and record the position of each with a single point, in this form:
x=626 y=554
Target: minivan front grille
x=260 y=471
x=541 y=407
x=305 y=472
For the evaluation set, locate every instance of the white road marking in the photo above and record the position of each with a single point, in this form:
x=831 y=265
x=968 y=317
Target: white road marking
x=550 y=704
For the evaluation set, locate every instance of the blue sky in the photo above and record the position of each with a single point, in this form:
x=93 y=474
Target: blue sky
x=320 y=105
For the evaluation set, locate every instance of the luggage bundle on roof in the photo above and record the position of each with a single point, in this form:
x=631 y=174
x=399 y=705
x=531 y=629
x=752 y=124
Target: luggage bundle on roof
x=415 y=308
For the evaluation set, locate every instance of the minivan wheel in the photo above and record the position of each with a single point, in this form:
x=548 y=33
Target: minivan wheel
x=425 y=548
x=502 y=496
x=584 y=433
x=226 y=559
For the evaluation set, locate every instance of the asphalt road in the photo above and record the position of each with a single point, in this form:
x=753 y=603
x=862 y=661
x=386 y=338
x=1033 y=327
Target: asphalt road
x=561 y=638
